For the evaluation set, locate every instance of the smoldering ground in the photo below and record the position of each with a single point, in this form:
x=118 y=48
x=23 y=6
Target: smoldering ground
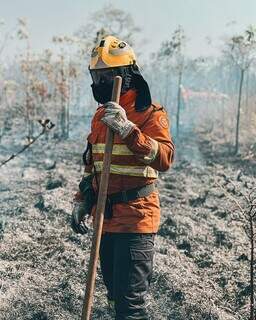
x=201 y=260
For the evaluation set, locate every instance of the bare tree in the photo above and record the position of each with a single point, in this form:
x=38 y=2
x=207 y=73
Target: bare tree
x=247 y=215
x=241 y=49
x=26 y=67
x=6 y=35
x=66 y=70
x=108 y=21
x=172 y=51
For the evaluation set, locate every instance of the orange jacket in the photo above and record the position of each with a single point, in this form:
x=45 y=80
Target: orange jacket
x=127 y=170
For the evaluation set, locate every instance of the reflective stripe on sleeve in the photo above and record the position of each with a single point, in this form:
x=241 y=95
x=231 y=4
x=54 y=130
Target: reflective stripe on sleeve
x=118 y=149
x=138 y=171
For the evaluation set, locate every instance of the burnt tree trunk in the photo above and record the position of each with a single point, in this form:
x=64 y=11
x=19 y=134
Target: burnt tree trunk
x=239 y=110
x=252 y=236
x=247 y=91
x=63 y=114
x=178 y=104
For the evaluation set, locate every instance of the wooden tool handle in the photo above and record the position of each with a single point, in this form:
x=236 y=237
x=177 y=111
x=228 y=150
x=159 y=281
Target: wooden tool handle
x=100 y=208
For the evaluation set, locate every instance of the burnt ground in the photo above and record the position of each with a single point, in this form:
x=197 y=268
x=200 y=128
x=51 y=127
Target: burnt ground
x=202 y=251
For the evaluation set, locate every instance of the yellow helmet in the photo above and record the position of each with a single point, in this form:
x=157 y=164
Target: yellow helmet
x=111 y=52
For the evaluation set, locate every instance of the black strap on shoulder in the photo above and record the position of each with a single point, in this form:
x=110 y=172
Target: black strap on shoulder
x=87 y=155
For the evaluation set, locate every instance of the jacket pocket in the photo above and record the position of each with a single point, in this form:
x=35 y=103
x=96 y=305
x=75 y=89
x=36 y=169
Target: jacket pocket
x=141 y=268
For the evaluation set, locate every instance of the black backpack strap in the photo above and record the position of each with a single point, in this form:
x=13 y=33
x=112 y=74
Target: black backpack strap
x=87 y=155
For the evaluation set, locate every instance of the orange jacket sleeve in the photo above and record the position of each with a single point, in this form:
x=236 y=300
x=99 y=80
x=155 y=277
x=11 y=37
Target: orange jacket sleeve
x=157 y=128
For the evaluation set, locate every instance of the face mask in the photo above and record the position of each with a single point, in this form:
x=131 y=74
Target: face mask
x=102 y=93
x=103 y=82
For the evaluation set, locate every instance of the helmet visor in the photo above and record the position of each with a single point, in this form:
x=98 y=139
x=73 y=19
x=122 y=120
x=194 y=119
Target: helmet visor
x=105 y=76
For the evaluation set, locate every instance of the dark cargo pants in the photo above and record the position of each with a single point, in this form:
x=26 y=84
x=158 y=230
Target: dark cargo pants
x=126 y=265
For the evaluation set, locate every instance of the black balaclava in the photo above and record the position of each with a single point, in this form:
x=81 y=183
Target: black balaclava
x=102 y=93
x=131 y=79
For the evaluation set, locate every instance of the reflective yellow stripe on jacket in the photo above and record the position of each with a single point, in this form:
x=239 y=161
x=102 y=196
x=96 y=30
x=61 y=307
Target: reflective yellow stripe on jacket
x=138 y=171
x=118 y=149
x=122 y=169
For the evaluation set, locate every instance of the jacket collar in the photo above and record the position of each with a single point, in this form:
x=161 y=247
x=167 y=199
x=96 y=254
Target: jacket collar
x=128 y=99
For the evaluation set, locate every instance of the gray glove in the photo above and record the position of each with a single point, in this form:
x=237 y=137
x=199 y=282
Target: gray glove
x=115 y=118
x=78 y=217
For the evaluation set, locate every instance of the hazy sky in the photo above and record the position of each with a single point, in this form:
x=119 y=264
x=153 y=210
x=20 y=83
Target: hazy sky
x=157 y=18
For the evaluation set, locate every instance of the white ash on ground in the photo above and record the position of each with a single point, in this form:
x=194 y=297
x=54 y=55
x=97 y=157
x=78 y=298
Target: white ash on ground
x=201 y=260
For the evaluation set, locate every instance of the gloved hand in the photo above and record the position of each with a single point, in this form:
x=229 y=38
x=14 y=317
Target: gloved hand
x=78 y=217
x=115 y=118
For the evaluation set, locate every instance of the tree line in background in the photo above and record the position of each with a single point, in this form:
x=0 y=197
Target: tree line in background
x=215 y=94
x=219 y=85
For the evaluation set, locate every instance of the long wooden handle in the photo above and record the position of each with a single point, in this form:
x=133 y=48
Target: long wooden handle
x=100 y=208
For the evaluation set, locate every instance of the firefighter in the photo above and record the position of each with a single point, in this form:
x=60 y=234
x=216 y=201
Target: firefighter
x=142 y=148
